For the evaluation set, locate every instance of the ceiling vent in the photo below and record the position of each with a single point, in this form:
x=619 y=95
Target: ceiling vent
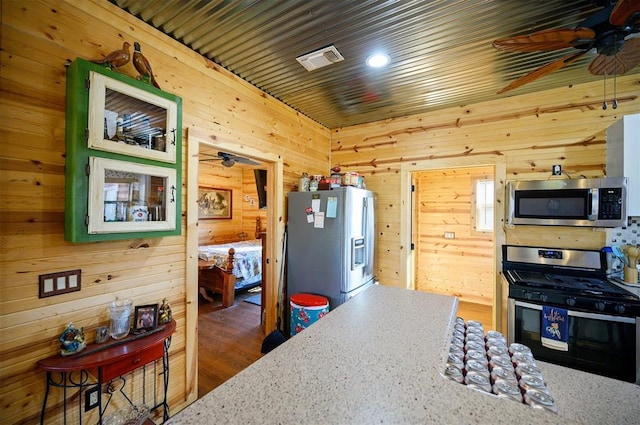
x=320 y=58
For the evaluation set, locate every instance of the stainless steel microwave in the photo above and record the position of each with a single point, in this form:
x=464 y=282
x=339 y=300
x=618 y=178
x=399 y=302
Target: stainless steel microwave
x=574 y=202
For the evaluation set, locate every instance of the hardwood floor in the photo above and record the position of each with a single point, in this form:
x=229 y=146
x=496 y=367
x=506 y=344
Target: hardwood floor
x=478 y=312
x=229 y=340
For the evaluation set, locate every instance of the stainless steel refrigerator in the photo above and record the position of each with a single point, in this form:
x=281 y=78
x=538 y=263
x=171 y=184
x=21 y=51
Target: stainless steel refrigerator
x=330 y=243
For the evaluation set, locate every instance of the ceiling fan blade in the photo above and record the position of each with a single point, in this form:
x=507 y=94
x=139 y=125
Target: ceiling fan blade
x=623 y=11
x=553 y=39
x=247 y=161
x=542 y=71
x=230 y=159
x=627 y=58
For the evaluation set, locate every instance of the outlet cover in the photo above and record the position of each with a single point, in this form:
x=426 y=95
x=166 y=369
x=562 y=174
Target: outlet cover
x=449 y=235
x=91 y=398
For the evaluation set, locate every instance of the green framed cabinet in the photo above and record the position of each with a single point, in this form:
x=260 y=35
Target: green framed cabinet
x=123 y=157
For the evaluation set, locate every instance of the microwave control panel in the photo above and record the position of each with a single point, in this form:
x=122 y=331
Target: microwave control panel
x=610 y=207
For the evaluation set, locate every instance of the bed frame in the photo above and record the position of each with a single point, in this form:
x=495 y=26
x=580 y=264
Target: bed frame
x=219 y=280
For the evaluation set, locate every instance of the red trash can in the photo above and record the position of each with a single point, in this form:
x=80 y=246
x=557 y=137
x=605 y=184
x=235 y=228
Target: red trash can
x=306 y=309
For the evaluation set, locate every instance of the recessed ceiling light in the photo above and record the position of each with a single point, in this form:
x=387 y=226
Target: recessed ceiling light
x=378 y=60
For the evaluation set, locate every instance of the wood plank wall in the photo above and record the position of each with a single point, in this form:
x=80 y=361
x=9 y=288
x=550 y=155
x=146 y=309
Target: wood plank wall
x=243 y=218
x=461 y=266
x=251 y=206
x=528 y=133
x=38 y=39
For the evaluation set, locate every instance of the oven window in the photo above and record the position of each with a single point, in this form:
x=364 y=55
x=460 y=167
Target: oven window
x=596 y=346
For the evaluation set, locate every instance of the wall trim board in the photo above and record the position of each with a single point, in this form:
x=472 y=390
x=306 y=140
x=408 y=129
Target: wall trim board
x=275 y=194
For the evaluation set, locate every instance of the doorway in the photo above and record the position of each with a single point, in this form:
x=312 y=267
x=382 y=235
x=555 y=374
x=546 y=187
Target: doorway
x=272 y=252
x=453 y=237
x=435 y=244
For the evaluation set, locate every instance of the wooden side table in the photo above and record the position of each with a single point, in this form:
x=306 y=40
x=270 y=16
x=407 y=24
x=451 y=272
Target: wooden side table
x=106 y=362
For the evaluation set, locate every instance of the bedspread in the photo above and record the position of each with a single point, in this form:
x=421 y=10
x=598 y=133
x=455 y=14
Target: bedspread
x=248 y=258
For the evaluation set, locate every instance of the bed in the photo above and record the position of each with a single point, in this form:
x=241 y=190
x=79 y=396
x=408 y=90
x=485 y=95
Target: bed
x=226 y=268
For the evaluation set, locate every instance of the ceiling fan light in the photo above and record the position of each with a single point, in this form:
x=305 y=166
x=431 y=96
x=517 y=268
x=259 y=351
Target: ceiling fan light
x=378 y=60
x=228 y=162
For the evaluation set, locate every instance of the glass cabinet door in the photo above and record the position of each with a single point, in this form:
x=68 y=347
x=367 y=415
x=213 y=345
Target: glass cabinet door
x=126 y=120
x=125 y=196
x=123 y=157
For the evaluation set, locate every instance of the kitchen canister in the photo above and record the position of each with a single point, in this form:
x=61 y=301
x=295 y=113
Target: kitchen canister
x=303 y=183
x=306 y=309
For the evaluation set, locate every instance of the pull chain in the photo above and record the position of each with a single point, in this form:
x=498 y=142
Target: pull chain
x=615 y=88
x=604 y=89
x=615 y=74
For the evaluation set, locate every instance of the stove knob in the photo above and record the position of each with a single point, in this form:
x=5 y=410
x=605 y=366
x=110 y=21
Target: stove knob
x=619 y=308
x=570 y=301
x=528 y=295
x=544 y=297
x=600 y=306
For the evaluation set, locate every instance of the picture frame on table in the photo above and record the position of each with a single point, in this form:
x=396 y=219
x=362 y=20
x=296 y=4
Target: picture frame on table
x=214 y=203
x=145 y=318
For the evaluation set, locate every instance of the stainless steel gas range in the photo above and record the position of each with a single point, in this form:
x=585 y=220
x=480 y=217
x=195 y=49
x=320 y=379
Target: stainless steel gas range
x=601 y=318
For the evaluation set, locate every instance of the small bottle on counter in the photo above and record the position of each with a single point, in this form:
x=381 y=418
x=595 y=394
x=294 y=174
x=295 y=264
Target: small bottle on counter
x=314 y=183
x=119 y=129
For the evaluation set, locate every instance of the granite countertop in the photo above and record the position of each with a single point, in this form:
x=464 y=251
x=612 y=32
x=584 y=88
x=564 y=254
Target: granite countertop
x=379 y=358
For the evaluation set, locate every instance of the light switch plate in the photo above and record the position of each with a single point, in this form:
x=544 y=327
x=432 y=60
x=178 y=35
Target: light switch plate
x=59 y=283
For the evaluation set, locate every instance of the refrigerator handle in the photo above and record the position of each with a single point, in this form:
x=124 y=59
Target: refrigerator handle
x=368 y=235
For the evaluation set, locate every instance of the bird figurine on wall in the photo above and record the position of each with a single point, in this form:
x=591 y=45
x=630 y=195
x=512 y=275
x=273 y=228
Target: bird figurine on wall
x=143 y=66
x=117 y=58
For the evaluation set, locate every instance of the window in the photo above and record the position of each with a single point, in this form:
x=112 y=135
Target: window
x=483 y=200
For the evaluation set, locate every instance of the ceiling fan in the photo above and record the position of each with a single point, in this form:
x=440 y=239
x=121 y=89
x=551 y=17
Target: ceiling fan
x=228 y=159
x=606 y=30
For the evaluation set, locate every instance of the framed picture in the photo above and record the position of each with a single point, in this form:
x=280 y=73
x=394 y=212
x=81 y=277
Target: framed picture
x=145 y=318
x=214 y=203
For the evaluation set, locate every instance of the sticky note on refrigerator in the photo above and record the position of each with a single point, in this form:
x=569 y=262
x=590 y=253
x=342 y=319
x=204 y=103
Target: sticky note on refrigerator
x=318 y=223
x=332 y=206
x=315 y=204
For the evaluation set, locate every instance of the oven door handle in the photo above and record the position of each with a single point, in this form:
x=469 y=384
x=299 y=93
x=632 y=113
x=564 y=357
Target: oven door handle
x=582 y=314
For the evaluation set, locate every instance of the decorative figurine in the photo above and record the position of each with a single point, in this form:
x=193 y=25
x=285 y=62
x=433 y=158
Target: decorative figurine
x=72 y=340
x=117 y=58
x=164 y=314
x=143 y=66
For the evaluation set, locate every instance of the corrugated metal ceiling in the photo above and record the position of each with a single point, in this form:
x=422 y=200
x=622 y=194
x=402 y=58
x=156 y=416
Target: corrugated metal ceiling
x=441 y=51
